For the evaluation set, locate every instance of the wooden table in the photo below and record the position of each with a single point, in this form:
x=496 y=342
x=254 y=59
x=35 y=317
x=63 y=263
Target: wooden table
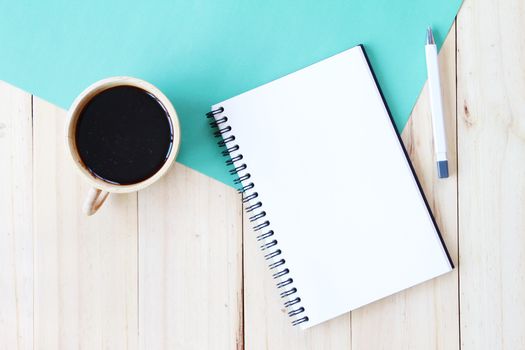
x=176 y=266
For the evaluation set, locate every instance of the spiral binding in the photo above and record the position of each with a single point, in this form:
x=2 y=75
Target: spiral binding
x=257 y=216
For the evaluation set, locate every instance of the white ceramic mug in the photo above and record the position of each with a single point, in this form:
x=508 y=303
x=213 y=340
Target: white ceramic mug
x=100 y=189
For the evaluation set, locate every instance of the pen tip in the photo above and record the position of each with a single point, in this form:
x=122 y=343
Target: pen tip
x=430 y=36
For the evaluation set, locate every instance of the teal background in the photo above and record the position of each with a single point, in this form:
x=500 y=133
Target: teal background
x=201 y=52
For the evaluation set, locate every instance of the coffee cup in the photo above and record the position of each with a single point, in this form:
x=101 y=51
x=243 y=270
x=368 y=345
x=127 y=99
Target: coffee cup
x=122 y=135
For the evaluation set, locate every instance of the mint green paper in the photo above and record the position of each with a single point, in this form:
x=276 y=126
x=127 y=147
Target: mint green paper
x=201 y=52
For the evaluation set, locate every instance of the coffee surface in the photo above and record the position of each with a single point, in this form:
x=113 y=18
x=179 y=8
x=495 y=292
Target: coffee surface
x=124 y=135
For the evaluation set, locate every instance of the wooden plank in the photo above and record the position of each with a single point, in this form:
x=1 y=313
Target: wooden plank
x=85 y=267
x=425 y=316
x=491 y=148
x=16 y=232
x=267 y=326
x=190 y=263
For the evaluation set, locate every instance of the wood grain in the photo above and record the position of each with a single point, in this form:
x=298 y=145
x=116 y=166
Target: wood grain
x=190 y=258
x=85 y=292
x=16 y=235
x=169 y=267
x=491 y=148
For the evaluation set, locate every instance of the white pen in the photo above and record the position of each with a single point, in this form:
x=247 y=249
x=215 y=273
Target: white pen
x=436 y=106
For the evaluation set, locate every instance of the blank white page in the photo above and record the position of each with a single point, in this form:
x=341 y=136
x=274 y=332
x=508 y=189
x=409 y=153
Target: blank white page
x=336 y=187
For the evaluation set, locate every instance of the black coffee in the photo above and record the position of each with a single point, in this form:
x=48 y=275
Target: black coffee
x=124 y=135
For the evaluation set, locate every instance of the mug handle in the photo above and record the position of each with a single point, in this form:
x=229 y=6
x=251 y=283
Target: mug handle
x=94 y=200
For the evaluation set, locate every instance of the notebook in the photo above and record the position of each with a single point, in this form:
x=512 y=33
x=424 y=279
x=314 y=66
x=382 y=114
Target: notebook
x=334 y=201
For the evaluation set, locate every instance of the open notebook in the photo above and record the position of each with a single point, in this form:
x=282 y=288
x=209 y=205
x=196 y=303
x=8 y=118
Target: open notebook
x=334 y=201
